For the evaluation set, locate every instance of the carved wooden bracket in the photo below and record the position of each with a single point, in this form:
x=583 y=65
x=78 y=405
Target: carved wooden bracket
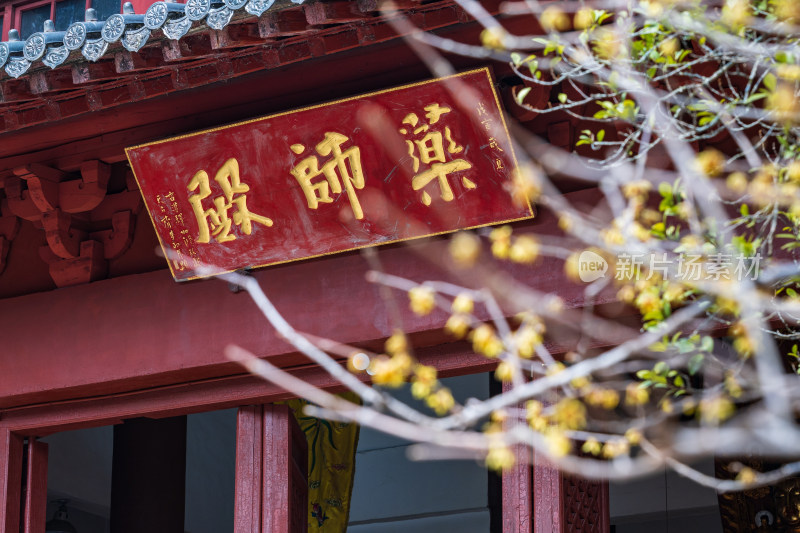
x=90 y=265
x=50 y=189
x=63 y=239
x=85 y=227
x=119 y=238
x=9 y=227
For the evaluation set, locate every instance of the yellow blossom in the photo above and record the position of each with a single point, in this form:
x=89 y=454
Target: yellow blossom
x=580 y=382
x=787 y=10
x=570 y=413
x=715 y=410
x=421 y=300
x=527 y=339
x=565 y=222
x=668 y=47
x=607 y=44
x=732 y=385
x=788 y=72
x=635 y=395
x=605 y=398
x=553 y=18
x=710 y=162
x=494 y=37
x=465 y=248
x=485 y=341
x=612 y=237
x=793 y=172
x=463 y=304
x=504 y=371
x=783 y=103
x=747 y=476
x=634 y=436
x=667 y=407
x=592 y=446
x=420 y=390
x=648 y=301
x=457 y=325
x=501 y=241
x=533 y=409
x=525 y=249
x=558 y=444
x=397 y=343
x=584 y=18
x=555 y=368
x=572 y=266
x=390 y=372
x=525 y=185
x=675 y=293
x=736 y=13
x=499 y=458
x=441 y=401
x=737 y=182
x=615 y=448
x=499 y=416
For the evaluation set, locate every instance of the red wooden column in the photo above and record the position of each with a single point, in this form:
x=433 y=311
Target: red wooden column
x=567 y=504
x=36 y=493
x=10 y=480
x=271 y=471
x=249 y=445
x=285 y=501
x=539 y=498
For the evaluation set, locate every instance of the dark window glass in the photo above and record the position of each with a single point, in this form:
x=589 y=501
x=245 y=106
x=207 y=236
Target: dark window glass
x=2 y=35
x=106 y=8
x=32 y=20
x=67 y=12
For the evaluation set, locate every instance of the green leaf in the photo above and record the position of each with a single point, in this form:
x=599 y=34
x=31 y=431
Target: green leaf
x=744 y=210
x=695 y=363
x=679 y=382
x=770 y=81
x=661 y=368
x=562 y=98
x=522 y=94
x=601 y=135
x=707 y=344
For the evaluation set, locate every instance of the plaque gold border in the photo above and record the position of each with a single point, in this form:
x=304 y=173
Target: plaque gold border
x=485 y=70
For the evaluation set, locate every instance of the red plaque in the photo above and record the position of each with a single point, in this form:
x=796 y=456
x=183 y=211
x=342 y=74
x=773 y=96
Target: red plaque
x=397 y=164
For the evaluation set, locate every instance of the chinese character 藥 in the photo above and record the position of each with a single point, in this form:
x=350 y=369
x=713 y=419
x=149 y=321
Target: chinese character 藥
x=233 y=196
x=427 y=148
x=335 y=168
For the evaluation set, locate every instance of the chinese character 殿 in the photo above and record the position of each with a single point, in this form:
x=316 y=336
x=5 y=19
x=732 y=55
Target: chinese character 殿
x=427 y=148
x=233 y=196
x=334 y=169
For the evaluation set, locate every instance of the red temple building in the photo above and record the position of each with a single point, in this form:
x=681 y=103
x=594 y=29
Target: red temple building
x=110 y=366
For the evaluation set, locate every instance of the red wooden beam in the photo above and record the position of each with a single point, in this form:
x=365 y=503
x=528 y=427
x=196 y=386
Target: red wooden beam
x=36 y=494
x=10 y=480
x=200 y=396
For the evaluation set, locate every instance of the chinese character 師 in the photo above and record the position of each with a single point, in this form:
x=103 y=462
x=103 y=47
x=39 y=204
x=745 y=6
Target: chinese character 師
x=337 y=167
x=233 y=197
x=427 y=148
